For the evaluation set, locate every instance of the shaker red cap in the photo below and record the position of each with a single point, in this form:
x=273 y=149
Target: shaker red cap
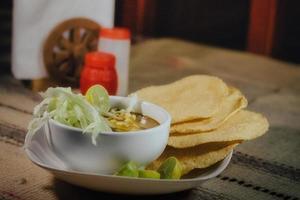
x=115 y=33
x=99 y=59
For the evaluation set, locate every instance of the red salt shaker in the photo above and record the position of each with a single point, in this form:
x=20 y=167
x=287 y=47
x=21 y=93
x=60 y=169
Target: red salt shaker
x=99 y=68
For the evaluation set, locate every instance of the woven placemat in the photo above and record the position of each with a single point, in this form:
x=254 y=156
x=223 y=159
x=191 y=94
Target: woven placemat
x=246 y=176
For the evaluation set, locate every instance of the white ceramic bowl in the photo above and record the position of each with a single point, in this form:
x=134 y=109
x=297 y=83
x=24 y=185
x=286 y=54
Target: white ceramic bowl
x=112 y=148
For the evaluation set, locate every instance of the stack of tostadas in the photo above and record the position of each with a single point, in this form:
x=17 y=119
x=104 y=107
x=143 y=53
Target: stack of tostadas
x=209 y=120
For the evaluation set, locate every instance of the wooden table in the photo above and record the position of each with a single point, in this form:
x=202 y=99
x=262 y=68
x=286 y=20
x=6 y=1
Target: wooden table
x=266 y=168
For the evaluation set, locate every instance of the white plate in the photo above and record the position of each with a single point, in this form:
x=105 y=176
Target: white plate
x=40 y=153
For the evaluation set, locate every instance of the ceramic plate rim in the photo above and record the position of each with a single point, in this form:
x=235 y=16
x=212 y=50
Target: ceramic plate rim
x=224 y=161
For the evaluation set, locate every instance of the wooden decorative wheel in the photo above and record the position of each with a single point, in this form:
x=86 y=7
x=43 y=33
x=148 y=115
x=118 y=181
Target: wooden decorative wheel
x=65 y=47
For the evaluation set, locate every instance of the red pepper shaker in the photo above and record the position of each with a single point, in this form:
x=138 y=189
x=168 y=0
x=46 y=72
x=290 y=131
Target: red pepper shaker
x=100 y=69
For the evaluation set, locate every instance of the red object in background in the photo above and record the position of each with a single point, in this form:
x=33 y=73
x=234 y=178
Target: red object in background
x=100 y=69
x=262 y=26
x=115 y=33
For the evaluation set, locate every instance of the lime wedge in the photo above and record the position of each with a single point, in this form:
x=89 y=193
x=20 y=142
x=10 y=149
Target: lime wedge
x=129 y=169
x=170 y=169
x=98 y=97
x=149 y=174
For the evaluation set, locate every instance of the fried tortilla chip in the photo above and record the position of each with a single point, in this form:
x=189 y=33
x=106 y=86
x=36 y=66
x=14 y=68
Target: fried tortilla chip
x=197 y=157
x=231 y=104
x=190 y=98
x=244 y=125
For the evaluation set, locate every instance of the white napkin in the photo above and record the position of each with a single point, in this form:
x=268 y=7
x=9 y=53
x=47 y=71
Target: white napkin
x=33 y=20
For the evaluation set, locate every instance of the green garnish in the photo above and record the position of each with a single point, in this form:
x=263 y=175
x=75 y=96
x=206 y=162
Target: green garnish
x=128 y=169
x=169 y=169
x=149 y=174
x=62 y=105
x=91 y=112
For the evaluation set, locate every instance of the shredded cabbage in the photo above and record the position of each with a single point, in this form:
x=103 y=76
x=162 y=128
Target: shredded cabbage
x=70 y=109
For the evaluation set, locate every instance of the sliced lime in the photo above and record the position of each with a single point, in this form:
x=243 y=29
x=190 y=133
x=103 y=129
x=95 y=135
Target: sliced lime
x=170 y=169
x=129 y=169
x=98 y=97
x=149 y=174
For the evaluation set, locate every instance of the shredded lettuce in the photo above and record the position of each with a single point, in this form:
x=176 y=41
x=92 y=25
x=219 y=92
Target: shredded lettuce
x=70 y=109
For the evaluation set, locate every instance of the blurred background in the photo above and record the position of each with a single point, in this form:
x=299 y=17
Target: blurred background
x=266 y=27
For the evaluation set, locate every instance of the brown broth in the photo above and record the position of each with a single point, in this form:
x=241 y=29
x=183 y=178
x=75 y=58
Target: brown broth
x=120 y=121
x=145 y=122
